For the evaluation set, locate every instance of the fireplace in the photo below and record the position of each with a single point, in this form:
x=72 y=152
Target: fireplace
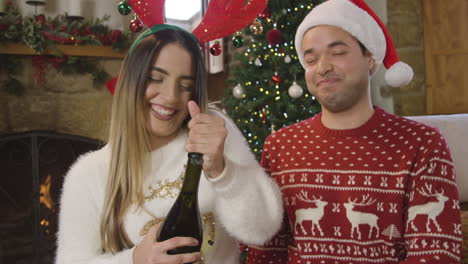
x=32 y=168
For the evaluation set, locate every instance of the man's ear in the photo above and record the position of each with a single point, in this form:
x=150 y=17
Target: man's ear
x=370 y=61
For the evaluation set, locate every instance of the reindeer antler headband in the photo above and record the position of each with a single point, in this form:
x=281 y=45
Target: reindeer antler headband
x=222 y=18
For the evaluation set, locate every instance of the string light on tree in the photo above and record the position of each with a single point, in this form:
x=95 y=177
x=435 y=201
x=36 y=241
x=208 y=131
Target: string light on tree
x=238 y=91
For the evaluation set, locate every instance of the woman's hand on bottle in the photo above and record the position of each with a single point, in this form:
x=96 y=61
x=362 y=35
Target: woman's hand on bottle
x=151 y=252
x=206 y=136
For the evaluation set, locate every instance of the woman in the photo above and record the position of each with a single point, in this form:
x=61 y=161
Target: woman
x=114 y=199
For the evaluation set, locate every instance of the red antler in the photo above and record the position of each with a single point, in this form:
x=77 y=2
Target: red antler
x=150 y=12
x=224 y=17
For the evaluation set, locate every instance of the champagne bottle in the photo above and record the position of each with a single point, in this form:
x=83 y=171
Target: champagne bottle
x=184 y=218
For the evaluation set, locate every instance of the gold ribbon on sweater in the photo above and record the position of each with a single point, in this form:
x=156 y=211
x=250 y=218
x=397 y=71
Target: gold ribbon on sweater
x=170 y=189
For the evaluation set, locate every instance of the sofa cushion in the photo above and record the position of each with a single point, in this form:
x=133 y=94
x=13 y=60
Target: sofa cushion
x=455 y=130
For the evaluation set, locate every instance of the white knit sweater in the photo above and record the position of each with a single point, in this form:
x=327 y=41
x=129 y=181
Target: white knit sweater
x=245 y=202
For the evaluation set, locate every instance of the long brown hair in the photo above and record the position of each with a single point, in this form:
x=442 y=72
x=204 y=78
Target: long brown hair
x=128 y=136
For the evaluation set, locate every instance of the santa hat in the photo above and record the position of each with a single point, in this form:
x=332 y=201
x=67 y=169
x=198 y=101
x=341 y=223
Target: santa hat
x=355 y=17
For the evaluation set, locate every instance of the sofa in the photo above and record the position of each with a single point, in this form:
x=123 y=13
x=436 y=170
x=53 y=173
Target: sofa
x=455 y=130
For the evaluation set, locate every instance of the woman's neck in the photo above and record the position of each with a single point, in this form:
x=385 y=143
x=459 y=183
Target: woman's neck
x=157 y=142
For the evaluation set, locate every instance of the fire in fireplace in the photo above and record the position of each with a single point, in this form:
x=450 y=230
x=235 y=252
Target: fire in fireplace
x=32 y=168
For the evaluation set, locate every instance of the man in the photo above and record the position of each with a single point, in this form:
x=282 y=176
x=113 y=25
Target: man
x=359 y=185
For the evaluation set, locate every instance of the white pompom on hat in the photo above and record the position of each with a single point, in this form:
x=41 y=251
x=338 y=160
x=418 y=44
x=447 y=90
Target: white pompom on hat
x=356 y=17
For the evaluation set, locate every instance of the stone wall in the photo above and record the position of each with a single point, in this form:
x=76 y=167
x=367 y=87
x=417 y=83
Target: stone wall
x=69 y=104
x=66 y=104
x=405 y=23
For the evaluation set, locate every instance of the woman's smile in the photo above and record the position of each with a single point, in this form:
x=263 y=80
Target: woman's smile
x=162 y=113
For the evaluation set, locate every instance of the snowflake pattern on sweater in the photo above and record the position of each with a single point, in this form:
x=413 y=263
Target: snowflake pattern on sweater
x=384 y=192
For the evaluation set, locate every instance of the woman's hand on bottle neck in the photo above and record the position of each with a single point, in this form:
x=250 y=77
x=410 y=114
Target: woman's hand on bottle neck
x=207 y=135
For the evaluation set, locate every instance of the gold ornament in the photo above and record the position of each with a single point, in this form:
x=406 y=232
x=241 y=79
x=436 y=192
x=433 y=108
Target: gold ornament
x=256 y=28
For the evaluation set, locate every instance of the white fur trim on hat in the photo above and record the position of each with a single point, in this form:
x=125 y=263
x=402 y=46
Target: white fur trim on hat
x=399 y=74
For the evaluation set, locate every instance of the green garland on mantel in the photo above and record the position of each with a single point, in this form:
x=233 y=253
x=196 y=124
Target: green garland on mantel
x=44 y=33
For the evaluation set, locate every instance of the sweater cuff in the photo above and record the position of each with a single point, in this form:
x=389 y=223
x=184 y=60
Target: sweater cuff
x=225 y=183
x=224 y=173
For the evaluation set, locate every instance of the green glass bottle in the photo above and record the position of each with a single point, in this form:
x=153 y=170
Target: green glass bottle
x=184 y=217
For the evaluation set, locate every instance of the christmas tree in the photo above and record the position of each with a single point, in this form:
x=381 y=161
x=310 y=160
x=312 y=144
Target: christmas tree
x=269 y=90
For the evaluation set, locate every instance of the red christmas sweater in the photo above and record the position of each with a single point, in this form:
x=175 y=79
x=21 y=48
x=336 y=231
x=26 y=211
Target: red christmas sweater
x=381 y=193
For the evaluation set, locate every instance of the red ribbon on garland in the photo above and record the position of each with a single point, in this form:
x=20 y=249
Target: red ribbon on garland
x=40 y=63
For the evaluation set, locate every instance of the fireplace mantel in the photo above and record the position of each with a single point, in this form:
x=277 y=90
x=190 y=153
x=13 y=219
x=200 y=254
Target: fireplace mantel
x=70 y=50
